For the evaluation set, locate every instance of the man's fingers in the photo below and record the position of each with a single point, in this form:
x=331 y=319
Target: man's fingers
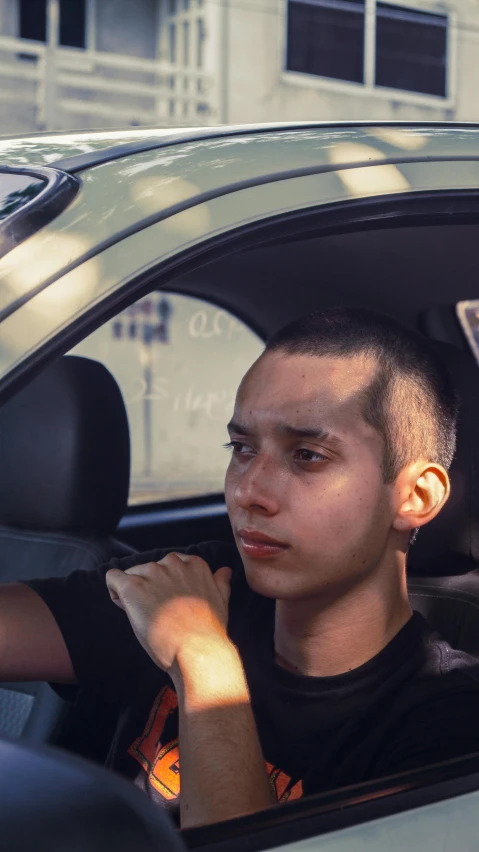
x=116 y=582
x=222 y=578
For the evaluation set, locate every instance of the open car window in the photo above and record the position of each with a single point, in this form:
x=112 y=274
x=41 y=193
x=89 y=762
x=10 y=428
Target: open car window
x=178 y=361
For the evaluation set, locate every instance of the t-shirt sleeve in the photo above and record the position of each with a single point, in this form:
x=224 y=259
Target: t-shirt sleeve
x=104 y=651
x=443 y=727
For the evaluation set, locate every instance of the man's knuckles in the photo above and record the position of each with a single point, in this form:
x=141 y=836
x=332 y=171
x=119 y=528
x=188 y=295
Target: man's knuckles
x=184 y=562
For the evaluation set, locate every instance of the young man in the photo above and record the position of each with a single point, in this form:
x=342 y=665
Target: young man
x=291 y=663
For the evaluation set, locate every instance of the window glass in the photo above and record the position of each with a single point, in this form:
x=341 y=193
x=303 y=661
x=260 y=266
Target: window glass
x=72 y=23
x=411 y=50
x=200 y=43
x=178 y=362
x=326 y=37
x=172 y=38
x=186 y=43
x=17 y=190
x=33 y=19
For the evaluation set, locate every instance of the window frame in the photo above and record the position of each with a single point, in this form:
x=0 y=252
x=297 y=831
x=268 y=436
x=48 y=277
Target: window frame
x=59 y=191
x=368 y=88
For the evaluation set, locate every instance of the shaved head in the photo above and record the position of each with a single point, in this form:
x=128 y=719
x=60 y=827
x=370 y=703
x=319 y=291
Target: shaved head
x=410 y=400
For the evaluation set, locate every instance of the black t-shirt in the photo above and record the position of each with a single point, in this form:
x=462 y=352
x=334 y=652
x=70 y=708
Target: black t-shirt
x=414 y=703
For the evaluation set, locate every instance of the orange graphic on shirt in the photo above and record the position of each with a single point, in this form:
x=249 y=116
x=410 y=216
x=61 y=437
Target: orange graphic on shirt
x=162 y=762
x=279 y=781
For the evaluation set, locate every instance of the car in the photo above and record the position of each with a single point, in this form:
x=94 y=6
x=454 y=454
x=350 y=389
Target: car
x=109 y=239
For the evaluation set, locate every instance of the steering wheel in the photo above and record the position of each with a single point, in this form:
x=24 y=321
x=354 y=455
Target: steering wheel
x=51 y=801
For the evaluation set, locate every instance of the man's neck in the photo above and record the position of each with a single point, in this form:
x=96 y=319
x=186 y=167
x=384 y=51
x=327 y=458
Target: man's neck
x=321 y=639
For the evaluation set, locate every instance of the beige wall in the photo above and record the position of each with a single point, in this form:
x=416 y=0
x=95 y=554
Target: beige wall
x=244 y=54
x=9 y=17
x=260 y=90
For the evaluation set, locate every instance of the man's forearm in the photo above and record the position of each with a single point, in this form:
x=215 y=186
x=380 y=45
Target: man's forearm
x=223 y=774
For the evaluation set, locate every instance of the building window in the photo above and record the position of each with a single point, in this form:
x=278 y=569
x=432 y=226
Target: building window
x=33 y=19
x=72 y=31
x=200 y=32
x=72 y=23
x=411 y=50
x=172 y=42
x=186 y=43
x=326 y=38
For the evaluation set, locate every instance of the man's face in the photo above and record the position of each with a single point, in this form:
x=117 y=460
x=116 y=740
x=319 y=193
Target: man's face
x=306 y=472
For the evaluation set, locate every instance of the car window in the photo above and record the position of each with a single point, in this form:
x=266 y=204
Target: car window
x=178 y=362
x=16 y=190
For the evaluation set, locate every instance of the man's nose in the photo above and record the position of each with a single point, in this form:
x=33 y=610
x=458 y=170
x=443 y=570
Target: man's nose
x=257 y=487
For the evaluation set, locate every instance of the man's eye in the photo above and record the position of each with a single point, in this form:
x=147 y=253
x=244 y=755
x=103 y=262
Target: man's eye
x=310 y=456
x=237 y=447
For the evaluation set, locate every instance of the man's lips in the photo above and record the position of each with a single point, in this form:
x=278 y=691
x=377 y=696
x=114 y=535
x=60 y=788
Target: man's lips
x=258 y=544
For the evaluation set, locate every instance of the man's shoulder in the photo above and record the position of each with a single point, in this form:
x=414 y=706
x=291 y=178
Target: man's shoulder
x=215 y=553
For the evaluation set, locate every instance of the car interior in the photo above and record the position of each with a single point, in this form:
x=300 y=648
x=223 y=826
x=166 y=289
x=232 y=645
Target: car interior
x=64 y=503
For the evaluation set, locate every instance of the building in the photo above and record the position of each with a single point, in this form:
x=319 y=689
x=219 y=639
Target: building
x=104 y=63
x=351 y=59
x=110 y=63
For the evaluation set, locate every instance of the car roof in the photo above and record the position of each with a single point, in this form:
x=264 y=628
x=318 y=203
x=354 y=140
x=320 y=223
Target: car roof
x=196 y=182
x=74 y=150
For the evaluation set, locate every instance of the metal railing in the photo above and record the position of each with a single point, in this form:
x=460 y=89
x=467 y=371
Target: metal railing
x=45 y=88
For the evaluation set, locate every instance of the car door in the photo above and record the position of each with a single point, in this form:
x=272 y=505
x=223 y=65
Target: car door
x=61 y=308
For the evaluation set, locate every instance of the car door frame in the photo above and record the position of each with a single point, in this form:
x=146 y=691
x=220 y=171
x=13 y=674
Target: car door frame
x=321 y=813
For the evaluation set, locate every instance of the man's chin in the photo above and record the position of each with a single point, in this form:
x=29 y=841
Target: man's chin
x=265 y=579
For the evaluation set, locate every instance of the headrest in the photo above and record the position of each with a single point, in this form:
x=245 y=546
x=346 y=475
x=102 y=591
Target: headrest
x=65 y=451
x=450 y=543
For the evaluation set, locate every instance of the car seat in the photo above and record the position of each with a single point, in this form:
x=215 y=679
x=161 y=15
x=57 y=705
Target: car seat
x=64 y=481
x=443 y=578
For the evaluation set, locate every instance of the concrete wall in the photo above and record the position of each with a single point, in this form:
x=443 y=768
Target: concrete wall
x=9 y=17
x=259 y=89
x=127 y=26
x=467 y=64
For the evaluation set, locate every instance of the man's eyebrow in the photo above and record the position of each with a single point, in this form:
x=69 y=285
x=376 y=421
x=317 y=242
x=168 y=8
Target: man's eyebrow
x=234 y=426
x=314 y=433
x=285 y=429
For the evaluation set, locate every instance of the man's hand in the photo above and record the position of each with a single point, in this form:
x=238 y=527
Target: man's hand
x=179 y=612
x=173 y=605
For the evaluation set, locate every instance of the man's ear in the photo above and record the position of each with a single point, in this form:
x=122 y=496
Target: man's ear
x=422 y=490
